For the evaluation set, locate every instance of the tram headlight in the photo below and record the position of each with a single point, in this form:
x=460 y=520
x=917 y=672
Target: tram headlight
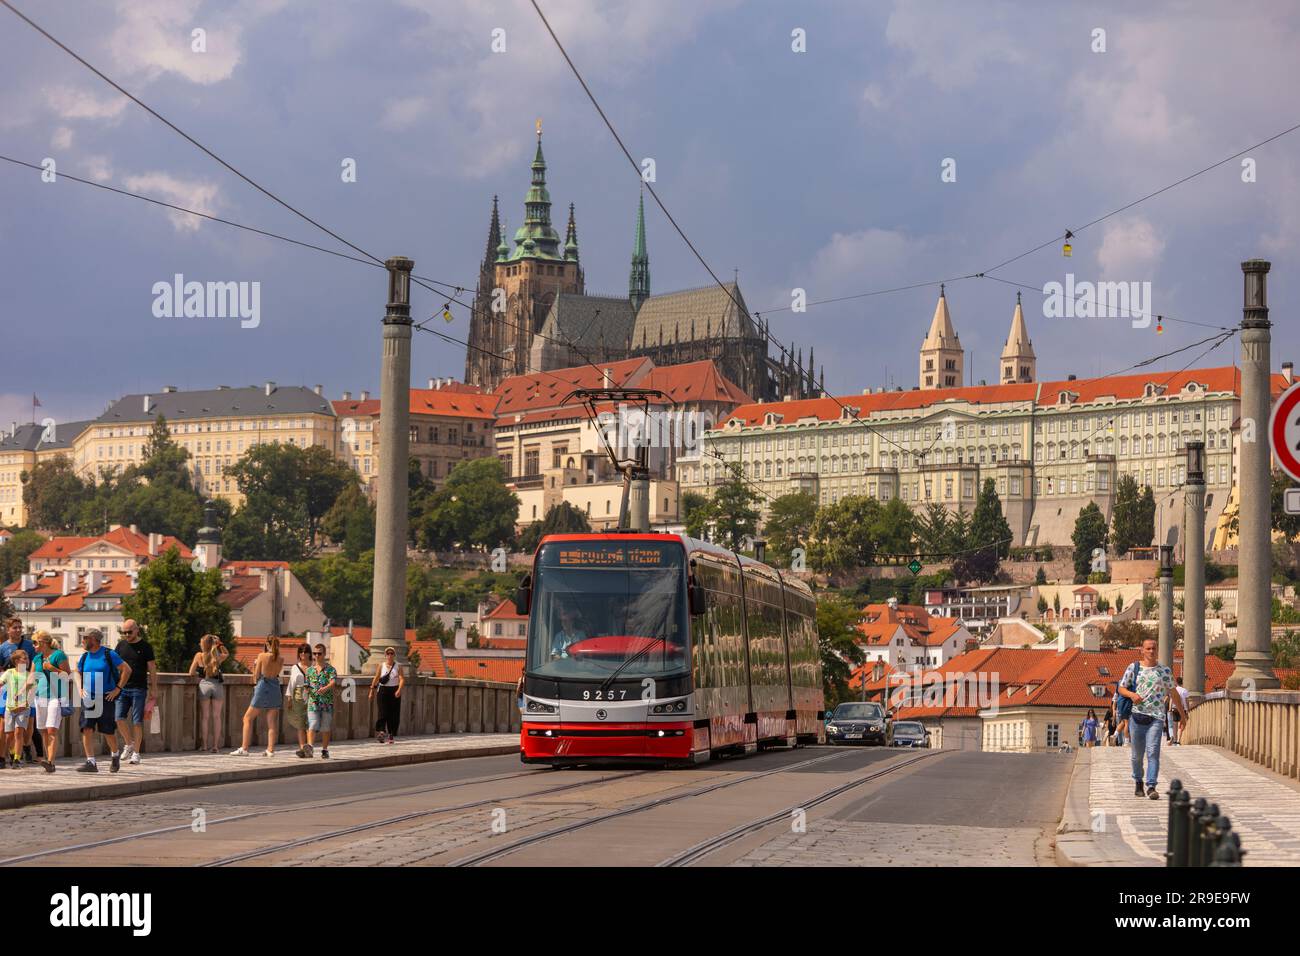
x=537 y=707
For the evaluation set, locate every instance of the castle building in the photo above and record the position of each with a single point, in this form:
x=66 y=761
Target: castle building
x=1051 y=448
x=532 y=313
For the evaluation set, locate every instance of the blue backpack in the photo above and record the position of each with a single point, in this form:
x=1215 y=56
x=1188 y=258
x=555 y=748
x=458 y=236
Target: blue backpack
x=1124 y=705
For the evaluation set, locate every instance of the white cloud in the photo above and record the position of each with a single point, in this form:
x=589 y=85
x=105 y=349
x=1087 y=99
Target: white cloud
x=96 y=166
x=952 y=43
x=72 y=103
x=852 y=261
x=1130 y=250
x=874 y=96
x=61 y=138
x=199 y=195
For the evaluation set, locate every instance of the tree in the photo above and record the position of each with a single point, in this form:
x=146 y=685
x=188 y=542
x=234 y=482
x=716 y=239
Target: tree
x=1042 y=604
x=288 y=490
x=1149 y=602
x=1131 y=525
x=693 y=502
x=1056 y=603
x=14 y=554
x=473 y=508
x=1089 y=535
x=562 y=518
x=1287 y=525
x=729 y=517
x=1119 y=603
x=351 y=521
x=1041 y=576
x=788 y=522
x=934 y=529
x=989 y=541
x=895 y=527
x=1286 y=650
x=343 y=586
x=1103 y=604
x=844 y=534
x=1126 y=634
x=53 y=494
x=836 y=634
x=176 y=606
x=1216 y=604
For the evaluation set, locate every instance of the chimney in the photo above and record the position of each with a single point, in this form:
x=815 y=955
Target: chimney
x=1288 y=372
x=431 y=383
x=134 y=575
x=28 y=582
x=135 y=529
x=607 y=378
x=223 y=388
x=462 y=639
x=69 y=582
x=169 y=389
x=270 y=387
x=347 y=396
x=365 y=395
x=787 y=398
x=1071 y=377
x=94 y=581
x=155 y=542
x=319 y=390
x=148 y=404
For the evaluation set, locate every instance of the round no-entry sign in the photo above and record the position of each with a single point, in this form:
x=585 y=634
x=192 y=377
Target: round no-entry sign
x=1284 y=431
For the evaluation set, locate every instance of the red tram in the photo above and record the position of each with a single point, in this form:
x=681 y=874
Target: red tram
x=665 y=648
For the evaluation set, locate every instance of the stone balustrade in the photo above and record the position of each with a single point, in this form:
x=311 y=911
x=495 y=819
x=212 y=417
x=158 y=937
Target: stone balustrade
x=1263 y=726
x=430 y=705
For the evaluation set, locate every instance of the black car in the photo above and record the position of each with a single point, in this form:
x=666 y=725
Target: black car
x=859 y=723
x=910 y=733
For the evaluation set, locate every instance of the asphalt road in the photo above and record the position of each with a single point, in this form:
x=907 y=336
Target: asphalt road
x=813 y=806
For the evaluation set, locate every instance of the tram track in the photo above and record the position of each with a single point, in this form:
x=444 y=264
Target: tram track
x=496 y=854
x=300 y=807
x=704 y=848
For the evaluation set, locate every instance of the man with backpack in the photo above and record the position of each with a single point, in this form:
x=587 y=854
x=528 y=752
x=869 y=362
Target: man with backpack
x=102 y=676
x=1147 y=690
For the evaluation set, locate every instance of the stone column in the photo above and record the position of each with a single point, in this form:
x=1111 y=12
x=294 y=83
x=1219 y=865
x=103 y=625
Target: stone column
x=1166 y=639
x=388 y=608
x=1254 y=668
x=1194 y=566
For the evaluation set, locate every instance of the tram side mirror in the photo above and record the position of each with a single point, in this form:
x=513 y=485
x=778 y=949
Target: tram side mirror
x=697 y=597
x=524 y=594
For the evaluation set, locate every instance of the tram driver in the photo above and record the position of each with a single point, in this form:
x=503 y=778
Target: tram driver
x=569 y=632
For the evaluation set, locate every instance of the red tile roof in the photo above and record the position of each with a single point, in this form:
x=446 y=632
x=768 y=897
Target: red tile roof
x=504 y=643
x=696 y=382
x=881 y=622
x=548 y=389
x=114 y=584
x=131 y=541
x=463 y=402
x=431 y=659
x=506 y=610
x=240 y=590
x=506 y=670
x=1119 y=387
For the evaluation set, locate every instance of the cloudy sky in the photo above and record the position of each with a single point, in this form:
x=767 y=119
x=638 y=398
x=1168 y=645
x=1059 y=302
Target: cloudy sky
x=818 y=170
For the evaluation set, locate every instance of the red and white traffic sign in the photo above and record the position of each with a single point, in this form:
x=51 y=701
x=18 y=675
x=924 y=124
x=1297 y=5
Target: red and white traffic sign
x=1284 y=431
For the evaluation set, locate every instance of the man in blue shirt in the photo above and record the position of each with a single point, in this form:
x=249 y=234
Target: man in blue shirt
x=16 y=640
x=103 y=675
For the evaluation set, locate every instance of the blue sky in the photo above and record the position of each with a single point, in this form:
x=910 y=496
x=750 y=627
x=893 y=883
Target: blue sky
x=817 y=170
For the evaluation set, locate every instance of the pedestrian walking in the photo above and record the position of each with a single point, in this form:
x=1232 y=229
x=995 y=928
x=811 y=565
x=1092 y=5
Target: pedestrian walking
x=1150 y=686
x=212 y=689
x=141 y=691
x=321 y=681
x=1110 y=727
x=102 y=673
x=266 y=698
x=295 y=711
x=16 y=641
x=50 y=665
x=519 y=693
x=389 y=681
x=1090 y=729
x=1180 y=725
x=18 y=681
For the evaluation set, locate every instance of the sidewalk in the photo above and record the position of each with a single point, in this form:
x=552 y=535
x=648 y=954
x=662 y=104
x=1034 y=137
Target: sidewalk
x=176 y=771
x=1264 y=808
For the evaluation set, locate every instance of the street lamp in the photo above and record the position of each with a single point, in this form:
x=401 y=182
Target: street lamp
x=1196 y=462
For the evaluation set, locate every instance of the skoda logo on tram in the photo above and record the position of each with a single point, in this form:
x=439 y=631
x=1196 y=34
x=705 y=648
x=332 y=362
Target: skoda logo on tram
x=601 y=714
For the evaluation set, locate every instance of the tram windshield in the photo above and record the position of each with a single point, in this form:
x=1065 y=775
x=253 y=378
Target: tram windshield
x=602 y=607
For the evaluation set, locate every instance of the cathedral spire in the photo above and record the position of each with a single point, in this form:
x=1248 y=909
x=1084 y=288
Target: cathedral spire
x=571 y=238
x=537 y=238
x=639 y=281
x=494 y=235
x=942 y=355
x=1018 y=364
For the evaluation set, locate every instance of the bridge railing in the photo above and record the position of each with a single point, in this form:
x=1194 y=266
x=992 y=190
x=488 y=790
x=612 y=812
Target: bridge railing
x=430 y=705
x=1262 y=726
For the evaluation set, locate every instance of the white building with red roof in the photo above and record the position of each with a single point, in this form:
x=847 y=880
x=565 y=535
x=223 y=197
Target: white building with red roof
x=905 y=635
x=121 y=549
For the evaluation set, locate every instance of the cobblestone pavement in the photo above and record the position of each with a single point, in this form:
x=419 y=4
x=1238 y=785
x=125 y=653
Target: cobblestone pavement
x=173 y=770
x=847 y=843
x=1263 y=810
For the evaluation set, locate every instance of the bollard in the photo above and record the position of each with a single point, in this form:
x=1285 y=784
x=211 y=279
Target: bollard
x=1193 y=843
x=1176 y=844
x=1205 y=843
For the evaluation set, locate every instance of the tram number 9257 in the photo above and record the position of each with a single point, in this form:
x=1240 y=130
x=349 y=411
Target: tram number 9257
x=605 y=695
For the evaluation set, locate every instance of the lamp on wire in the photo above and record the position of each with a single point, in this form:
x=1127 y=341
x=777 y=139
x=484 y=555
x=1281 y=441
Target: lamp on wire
x=1160 y=325
x=446 y=312
x=1067 y=250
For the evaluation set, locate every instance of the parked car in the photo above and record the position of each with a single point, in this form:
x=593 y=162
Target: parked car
x=910 y=733
x=859 y=722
